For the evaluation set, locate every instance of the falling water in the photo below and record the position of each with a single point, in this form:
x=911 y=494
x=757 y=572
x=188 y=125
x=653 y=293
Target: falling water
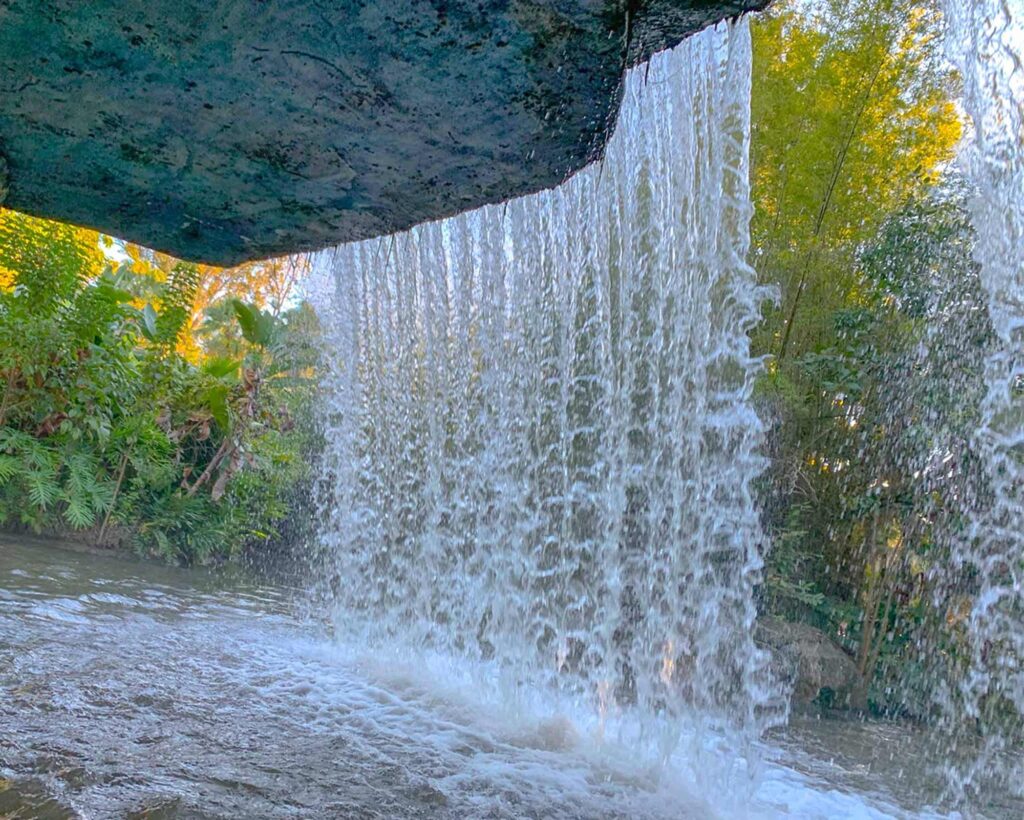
x=986 y=41
x=541 y=441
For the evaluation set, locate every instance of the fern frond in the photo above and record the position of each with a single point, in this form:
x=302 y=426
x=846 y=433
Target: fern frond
x=81 y=472
x=13 y=441
x=43 y=489
x=38 y=455
x=102 y=495
x=177 y=300
x=10 y=466
x=78 y=513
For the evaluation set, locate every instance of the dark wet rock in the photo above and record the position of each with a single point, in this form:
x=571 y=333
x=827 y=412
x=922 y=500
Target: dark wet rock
x=227 y=130
x=30 y=798
x=816 y=668
x=426 y=794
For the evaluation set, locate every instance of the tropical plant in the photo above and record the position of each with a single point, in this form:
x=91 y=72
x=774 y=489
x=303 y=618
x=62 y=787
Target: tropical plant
x=115 y=422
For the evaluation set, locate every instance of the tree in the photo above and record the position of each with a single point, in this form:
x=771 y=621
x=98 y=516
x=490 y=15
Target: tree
x=852 y=117
x=267 y=284
x=853 y=126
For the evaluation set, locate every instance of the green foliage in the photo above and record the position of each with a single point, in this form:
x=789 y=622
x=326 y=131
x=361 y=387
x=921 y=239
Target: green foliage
x=176 y=302
x=107 y=426
x=258 y=327
x=851 y=118
x=787 y=579
x=875 y=349
x=873 y=473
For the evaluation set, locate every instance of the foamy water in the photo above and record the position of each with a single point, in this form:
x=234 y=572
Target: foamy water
x=127 y=687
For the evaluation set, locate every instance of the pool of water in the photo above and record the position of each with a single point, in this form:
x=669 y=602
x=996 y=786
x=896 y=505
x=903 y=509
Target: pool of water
x=134 y=690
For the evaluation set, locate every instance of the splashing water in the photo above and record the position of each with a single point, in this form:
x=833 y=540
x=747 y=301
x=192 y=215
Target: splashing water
x=540 y=440
x=986 y=42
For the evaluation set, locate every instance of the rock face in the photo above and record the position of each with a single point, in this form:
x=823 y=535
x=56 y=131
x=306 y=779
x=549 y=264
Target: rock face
x=228 y=130
x=811 y=663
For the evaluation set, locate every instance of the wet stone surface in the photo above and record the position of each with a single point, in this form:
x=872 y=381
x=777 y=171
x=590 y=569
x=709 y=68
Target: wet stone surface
x=227 y=130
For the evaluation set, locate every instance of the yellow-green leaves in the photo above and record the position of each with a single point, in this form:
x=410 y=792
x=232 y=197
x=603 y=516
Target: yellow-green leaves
x=852 y=117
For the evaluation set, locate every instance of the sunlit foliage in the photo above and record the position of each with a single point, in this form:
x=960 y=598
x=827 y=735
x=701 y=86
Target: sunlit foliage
x=117 y=420
x=861 y=226
x=852 y=117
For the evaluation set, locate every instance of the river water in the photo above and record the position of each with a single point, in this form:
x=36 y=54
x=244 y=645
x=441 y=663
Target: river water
x=133 y=690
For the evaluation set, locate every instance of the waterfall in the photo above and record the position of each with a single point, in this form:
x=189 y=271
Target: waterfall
x=540 y=436
x=986 y=42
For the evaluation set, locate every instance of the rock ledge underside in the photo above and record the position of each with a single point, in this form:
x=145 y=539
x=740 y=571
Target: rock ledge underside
x=228 y=130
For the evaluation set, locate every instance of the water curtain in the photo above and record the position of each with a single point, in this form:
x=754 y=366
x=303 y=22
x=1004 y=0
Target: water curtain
x=986 y=42
x=541 y=441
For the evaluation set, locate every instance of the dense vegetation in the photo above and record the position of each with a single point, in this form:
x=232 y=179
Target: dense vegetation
x=142 y=400
x=874 y=348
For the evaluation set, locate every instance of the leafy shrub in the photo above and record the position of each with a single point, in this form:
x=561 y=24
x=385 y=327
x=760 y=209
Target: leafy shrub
x=107 y=428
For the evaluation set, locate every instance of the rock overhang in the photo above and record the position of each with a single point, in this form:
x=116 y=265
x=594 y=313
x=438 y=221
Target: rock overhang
x=228 y=130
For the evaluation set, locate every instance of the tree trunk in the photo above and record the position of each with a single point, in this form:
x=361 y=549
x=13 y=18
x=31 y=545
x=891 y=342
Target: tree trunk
x=113 y=501
x=220 y=455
